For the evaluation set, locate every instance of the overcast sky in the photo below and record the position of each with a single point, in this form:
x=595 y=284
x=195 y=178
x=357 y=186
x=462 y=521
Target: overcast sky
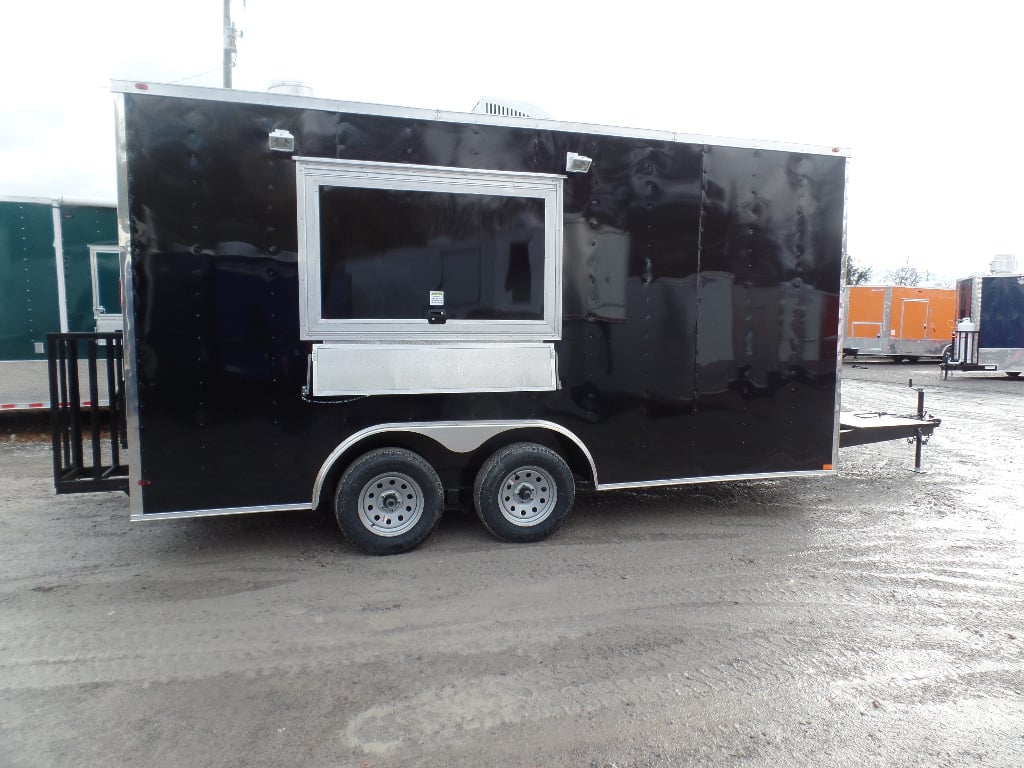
x=927 y=95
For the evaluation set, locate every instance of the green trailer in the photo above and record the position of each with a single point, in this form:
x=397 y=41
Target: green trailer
x=59 y=271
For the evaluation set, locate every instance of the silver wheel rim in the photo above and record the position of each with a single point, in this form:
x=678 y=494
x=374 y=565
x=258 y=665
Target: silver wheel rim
x=528 y=496
x=390 y=504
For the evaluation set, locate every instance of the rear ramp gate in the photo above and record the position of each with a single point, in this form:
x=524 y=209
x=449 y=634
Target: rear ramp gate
x=88 y=440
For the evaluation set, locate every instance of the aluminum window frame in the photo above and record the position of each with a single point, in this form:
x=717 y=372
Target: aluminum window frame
x=312 y=174
x=94 y=252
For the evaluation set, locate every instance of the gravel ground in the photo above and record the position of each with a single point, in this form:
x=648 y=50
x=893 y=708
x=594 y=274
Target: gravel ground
x=872 y=618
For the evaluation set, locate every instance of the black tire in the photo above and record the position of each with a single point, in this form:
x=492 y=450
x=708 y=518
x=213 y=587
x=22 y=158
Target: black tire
x=1013 y=374
x=388 y=501
x=524 y=492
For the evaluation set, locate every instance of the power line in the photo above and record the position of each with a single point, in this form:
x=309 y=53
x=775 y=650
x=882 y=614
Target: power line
x=193 y=77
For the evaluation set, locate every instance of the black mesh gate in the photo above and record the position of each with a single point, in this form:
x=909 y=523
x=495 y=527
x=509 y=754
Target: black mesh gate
x=87 y=411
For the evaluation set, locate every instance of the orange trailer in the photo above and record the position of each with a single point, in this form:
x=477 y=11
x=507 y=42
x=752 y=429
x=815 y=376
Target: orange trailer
x=899 y=321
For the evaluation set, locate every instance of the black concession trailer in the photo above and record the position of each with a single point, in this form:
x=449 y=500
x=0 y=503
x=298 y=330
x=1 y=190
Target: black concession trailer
x=387 y=311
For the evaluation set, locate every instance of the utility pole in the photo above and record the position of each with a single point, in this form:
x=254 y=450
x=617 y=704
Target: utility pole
x=229 y=44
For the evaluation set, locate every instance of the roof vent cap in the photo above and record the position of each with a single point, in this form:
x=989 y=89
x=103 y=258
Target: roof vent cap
x=290 y=88
x=507 y=108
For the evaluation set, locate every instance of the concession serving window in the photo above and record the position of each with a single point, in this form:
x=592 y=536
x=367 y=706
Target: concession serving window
x=464 y=261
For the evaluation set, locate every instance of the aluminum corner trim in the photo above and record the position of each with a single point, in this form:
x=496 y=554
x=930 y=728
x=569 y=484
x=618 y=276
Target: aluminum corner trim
x=715 y=479
x=190 y=513
x=58 y=253
x=418 y=113
x=131 y=380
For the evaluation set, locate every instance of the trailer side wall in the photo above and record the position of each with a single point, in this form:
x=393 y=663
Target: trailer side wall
x=28 y=275
x=700 y=300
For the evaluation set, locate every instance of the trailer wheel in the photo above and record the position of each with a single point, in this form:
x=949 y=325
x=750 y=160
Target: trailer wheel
x=388 y=501
x=523 y=492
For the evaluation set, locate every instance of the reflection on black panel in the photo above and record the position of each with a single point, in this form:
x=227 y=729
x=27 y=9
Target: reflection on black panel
x=382 y=252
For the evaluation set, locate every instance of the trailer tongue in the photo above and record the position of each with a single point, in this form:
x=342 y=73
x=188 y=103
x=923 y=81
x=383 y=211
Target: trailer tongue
x=864 y=428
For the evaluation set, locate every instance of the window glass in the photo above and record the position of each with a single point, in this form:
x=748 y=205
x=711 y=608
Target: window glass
x=383 y=251
x=108 y=281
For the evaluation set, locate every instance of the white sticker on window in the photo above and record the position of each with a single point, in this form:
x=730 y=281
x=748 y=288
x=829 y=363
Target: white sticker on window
x=437 y=298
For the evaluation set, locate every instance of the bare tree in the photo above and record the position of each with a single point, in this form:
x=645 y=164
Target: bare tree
x=906 y=275
x=856 y=275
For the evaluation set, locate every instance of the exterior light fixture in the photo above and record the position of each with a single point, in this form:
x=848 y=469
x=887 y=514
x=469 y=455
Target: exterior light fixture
x=281 y=140
x=577 y=163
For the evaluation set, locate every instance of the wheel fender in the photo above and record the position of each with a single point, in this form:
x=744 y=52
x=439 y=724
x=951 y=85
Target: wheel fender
x=458 y=437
